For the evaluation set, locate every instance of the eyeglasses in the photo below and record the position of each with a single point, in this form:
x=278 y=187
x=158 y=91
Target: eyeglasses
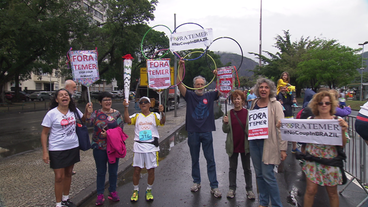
x=143 y=102
x=326 y=103
x=106 y=100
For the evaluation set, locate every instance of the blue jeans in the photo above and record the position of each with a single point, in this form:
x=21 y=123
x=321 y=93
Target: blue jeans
x=194 y=141
x=266 y=180
x=101 y=160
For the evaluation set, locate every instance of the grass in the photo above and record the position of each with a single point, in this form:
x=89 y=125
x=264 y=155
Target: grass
x=355 y=105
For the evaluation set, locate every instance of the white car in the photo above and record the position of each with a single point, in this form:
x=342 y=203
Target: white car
x=117 y=94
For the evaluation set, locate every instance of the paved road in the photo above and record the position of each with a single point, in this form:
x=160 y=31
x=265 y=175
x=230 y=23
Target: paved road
x=173 y=180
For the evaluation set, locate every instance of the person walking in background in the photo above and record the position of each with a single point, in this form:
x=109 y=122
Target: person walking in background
x=342 y=99
x=266 y=153
x=251 y=97
x=146 y=145
x=63 y=146
x=285 y=81
x=286 y=100
x=235 y=124
x=323 y=106
x=340 y=110
x=200 y=122
x=102 y=120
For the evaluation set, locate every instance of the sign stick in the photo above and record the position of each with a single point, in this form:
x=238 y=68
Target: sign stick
x=89 y=97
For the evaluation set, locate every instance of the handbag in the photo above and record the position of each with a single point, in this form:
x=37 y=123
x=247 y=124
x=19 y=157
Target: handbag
x=83 y=135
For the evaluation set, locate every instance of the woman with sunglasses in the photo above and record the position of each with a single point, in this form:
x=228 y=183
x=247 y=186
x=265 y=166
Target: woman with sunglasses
x=323 y=106
x=102 y=120
x=63 y=149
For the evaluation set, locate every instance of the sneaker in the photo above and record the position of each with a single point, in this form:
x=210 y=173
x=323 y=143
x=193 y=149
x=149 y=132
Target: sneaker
x=231 y=193
x=68 y=203
x=295 y=150
x=195 y=187
x=134 y=197
x=100 y=200
x=216 y=192
x=295 y=105
x=149 y=196
x=114 y=196
x=250 y=195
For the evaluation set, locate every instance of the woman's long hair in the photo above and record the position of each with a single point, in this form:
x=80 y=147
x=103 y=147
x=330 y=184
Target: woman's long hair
x=54 y=104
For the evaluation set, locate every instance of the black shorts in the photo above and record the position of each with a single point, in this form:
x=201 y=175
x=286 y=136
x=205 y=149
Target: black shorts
x=361 y=126
x=65 y=158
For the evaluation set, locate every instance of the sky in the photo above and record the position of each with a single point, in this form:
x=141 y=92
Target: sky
x=343 y=20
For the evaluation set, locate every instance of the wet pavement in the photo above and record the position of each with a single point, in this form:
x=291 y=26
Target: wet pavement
x=26 y=176
x=173 y=180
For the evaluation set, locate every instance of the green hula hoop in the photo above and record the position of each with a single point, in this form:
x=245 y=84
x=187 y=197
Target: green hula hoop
x=214 y=76
x=144 y=36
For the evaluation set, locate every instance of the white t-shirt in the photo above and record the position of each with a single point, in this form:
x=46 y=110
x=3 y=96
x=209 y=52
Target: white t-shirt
x=62 y=129
x=342 y=97
x=364 y=109
x=145 y=130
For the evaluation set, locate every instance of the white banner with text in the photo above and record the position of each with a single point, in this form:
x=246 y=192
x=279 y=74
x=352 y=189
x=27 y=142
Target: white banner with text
x=258 y=124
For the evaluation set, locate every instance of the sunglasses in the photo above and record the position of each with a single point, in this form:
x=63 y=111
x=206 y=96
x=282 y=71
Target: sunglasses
x=143 y=102
x=326 y=103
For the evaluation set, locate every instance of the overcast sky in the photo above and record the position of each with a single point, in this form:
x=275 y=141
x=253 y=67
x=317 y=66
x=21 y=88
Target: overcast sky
x=343 y=20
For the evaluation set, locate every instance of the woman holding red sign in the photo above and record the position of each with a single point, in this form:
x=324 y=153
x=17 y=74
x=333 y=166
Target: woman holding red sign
x=266 y=153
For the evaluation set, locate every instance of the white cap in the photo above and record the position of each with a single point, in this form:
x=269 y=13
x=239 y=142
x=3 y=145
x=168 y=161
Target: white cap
x=145 y=97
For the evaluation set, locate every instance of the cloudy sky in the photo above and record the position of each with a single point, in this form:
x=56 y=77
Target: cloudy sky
x=343 y=20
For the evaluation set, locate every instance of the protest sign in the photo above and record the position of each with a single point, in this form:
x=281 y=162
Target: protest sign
x=258 y=124
x=84 y=65
x=158 y=73
x=191 y=39
x=317 y=131
x=225 y=80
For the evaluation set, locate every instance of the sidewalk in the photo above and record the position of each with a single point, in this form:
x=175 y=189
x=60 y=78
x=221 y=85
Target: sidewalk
x=28 y=181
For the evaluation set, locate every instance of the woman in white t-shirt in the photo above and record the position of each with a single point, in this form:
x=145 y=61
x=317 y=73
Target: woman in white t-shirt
x=63 y=149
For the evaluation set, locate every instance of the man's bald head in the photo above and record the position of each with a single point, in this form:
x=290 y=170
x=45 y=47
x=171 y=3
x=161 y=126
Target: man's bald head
x=70 y=86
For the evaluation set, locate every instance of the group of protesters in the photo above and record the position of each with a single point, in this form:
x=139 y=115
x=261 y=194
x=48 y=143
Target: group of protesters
x=62 y=151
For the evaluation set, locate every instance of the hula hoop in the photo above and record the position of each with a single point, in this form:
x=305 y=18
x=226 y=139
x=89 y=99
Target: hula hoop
x=214 y=76
x=176 y=54
x=144 y=36
x=241 y=50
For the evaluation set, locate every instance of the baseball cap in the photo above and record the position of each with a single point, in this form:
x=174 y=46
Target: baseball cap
x=145 y=97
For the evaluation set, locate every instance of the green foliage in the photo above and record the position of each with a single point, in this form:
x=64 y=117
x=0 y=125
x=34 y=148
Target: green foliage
x=310 y=63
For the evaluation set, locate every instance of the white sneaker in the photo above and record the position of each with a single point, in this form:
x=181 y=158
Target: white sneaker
x=195 y=187
x=250 y=195
x=231 y=193
x=216 y=192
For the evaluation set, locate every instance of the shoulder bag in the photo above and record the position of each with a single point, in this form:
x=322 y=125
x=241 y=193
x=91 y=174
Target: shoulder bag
x=83 y=135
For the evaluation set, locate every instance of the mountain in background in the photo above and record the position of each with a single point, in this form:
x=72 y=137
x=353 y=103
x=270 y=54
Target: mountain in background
x=235 y=60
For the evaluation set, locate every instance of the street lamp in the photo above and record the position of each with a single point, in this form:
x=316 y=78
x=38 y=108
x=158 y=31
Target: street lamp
x=361 y=72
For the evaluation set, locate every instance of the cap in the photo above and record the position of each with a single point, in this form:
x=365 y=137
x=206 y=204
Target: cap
x=145 y=97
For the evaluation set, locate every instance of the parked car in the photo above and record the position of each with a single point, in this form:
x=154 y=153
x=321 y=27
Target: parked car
x=41 y=96
x=10 y=95
x=94 y=94
x=117 y=94
x=77 y=95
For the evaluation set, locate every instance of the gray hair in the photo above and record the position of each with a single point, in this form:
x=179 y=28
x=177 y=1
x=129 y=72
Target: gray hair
x=197 y=77
x=68 y=82
x=270 y=84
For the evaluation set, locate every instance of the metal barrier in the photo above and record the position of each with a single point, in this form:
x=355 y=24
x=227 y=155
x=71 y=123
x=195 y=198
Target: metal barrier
x=356 y=158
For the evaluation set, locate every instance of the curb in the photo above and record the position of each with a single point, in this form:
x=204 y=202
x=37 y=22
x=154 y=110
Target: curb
x=91 y=190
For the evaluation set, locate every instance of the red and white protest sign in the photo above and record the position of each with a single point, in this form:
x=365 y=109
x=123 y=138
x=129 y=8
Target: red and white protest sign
x=158 y=73
x=258 y=124
x=84 y=64
x=225 y=79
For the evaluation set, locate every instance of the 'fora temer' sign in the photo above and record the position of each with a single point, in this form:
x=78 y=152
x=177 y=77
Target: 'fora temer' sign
x=317 y=131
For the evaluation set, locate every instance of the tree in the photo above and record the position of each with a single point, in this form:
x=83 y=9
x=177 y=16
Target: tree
x=328 y=63
x=34 y=34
